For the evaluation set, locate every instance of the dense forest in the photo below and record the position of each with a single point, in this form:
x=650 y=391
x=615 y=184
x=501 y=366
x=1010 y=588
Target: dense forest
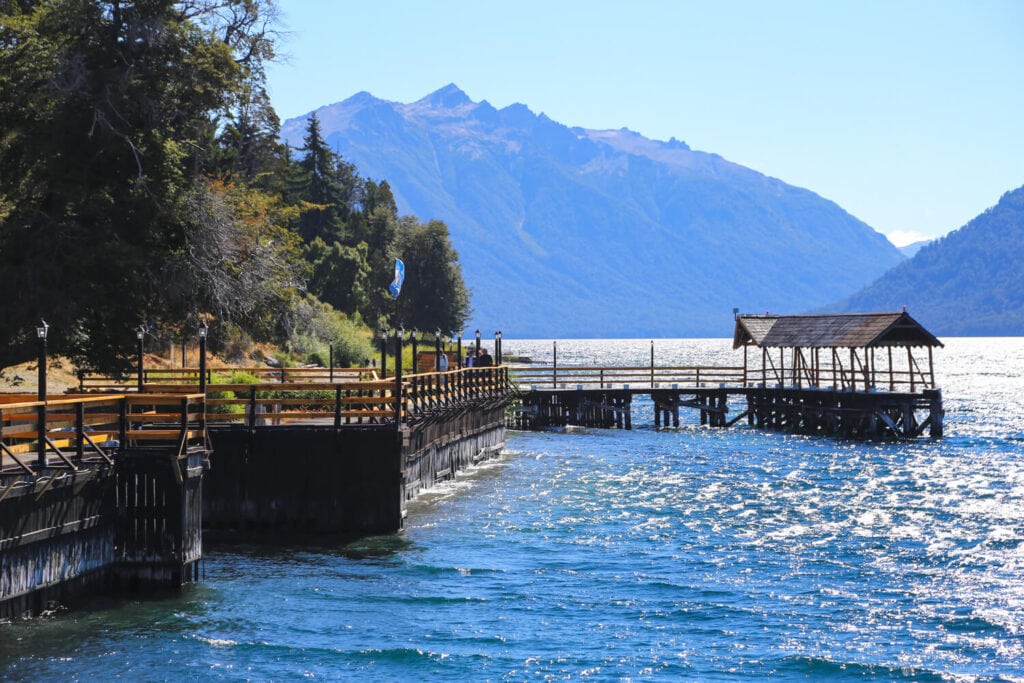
x=142 y=182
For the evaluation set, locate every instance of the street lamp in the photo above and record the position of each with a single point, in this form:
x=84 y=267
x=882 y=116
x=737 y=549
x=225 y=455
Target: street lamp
x=204 y=330
x=41 y=331
x=497 y=347
x=383 y=353
x=459 y=349
x=140 y=334
x=437 y=351
x=477 y=352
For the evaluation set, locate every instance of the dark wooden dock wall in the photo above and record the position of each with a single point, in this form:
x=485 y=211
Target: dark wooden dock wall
x=56 y=538
x=309 y=478
x=126 y=527
x=304 y=478
x=159 y=539
x=435 y=451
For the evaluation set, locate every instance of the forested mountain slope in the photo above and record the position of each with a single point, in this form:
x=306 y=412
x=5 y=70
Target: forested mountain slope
x=970 y=282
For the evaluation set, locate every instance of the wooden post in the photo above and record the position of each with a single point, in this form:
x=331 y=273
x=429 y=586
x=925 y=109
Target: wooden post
x=764 y=367
x=931 y=367
x=745 y=365
x=652 y=364
x=252 y=408
x=80 y=431
x=554 y=364
x=853 y=370
x=910 y=368
x=337 y=406
x=892 y=378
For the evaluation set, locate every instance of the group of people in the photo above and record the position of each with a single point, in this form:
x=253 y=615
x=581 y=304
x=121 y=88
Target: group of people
x=482 y=360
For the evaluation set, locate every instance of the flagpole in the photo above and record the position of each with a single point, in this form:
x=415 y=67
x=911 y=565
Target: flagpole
x=398 y=326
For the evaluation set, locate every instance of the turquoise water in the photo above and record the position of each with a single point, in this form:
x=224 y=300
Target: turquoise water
x=689 y=554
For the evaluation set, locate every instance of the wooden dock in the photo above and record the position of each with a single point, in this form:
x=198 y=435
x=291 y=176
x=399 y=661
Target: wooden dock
x=866 y=376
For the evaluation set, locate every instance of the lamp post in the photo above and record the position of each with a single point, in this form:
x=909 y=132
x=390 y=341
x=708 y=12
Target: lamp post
x=437 y=351
x=330 y=361
x=459 y=349
x=203 y=331
x=477 y=351
x=140 y=334
x=497 y=347
x=383 y=354
x=41 y=331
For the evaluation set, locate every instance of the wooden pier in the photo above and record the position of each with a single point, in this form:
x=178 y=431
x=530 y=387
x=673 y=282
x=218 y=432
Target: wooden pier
x=871 y=382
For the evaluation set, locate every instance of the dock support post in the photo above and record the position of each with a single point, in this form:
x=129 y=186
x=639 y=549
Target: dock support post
x=935 y=414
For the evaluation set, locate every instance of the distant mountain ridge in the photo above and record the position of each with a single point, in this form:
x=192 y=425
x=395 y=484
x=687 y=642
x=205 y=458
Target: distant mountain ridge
x=970 y=282
x=569 y=232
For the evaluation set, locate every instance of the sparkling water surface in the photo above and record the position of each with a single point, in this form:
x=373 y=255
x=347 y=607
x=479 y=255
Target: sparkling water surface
x=689 y=554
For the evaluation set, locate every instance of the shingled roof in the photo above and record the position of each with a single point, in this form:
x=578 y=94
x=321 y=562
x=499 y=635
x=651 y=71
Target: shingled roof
x=844 y=330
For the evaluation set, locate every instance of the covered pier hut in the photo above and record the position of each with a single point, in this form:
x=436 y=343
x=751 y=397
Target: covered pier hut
x=859 y=375
x=847 y=352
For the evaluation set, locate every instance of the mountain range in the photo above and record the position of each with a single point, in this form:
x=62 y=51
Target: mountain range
x=570 y=232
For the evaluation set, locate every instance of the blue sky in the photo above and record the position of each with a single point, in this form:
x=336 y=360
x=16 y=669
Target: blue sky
x=908 y=114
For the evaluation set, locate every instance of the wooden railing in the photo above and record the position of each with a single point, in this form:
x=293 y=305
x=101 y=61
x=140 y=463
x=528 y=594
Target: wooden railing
x=842 y=372
x=349 y=401
x=429 y=393
x=153 y=378
x=609 y=377
x=67 y=431
x=824 y=376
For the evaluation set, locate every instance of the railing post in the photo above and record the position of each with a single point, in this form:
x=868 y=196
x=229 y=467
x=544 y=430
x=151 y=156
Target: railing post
x=252 y=409
x=652 y=364
x=80 y=430
x=554 y=364
x=337 y=406
x=41 y=436
x=122 y=434
x=183 y=439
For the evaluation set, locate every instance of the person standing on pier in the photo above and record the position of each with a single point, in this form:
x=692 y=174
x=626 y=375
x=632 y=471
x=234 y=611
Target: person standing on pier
x=483 y=359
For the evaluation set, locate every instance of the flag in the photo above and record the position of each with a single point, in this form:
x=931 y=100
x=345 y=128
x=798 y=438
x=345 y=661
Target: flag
x=396 y=285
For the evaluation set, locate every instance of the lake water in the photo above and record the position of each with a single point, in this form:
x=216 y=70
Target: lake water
x=689 y=554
